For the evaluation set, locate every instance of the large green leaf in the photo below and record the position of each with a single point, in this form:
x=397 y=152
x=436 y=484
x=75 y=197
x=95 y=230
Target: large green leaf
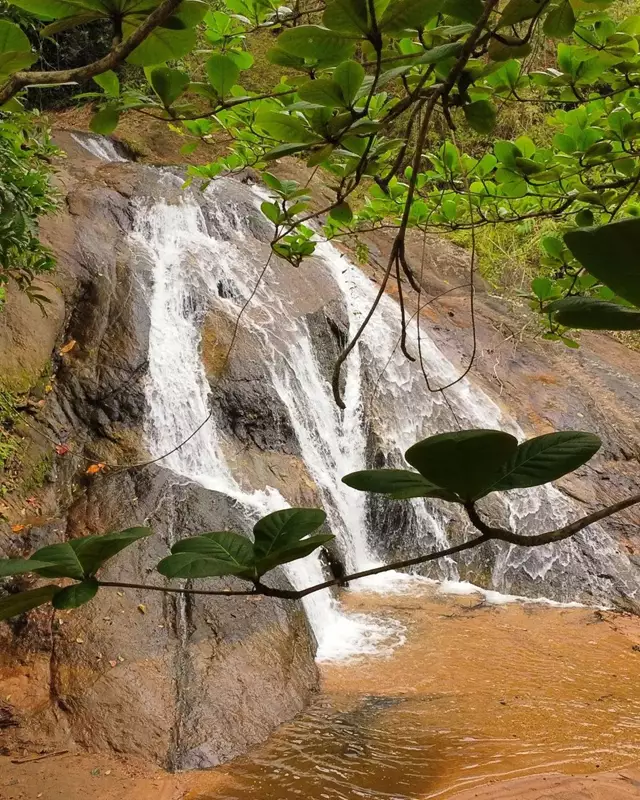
x=232 y=553
x=400 y=484
x=481 y=115
x=164 y=44
x=293 y=552
x=73 y=21
x=76 y=595
x=560 y=21
x=283 y=529
x=14 y=604
x=519 y=10
x=322 y=92
x=223 y=73
x=105 y=121
x=547 y=458
x=317 y=43
x=109 y=83
x=195 y=565
x=15 y=49
x=592 y=314
x=13 y=39
x=610 y=253
x=409 y=14
x=349 y=76
x=284 y=127
x=93 y=551
x=191 y=12
x=13 y=61
x=62 y=556
x=169 y=84
x=353 y=16
x=18 y=566
x=440 y=53
x=466 y=10
x=464 y=462
x=51 y=9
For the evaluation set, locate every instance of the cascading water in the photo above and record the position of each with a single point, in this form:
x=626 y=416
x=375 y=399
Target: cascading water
x=206 y=257
x=176 y=239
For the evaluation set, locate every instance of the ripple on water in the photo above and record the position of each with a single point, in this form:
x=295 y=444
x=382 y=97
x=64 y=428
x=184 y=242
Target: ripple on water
x=477 y=692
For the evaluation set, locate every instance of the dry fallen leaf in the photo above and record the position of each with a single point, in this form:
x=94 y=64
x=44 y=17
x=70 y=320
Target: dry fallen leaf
x=95 y=468
x=142 y=608
x=17 y=528
x=68 y=347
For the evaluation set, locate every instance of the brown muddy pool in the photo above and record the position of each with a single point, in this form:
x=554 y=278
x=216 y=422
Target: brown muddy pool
x=477 y=693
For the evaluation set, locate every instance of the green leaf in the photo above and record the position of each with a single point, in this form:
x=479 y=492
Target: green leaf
x=51 y=9
x=93 y=551
x=285 y=150
x=283 y=529
x=519 y=10
x=73 y=21
x=271 y=211
x=225 y=553
x=76 y=595
x=352 y=16
x=409 y=15
x=18 y=566
x=610 y=253
x=466 y=10
x=349 y=76
x=400 y=484
x=342 y=213
x=15 y=49
x=322 y=92
x=293 y=552
x=109 y=83
x=560 y=21
x=169 y=84
x=191 y=12
x=596 y=315
x=546 y=458
x=223 y=73
x=315 y=42
x=12 y=61
x=481 y=115
x=584 y=218
x=542 y=287
x=163 y=44
x=284 y=127
x=509 y=47
x=464 y=462
x=13 y=39
x=105 y=121
x=440 y=53
x=64 y=561
x=14 y=604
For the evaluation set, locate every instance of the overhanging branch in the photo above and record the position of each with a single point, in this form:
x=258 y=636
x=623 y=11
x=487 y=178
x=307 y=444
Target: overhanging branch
x=113 y=59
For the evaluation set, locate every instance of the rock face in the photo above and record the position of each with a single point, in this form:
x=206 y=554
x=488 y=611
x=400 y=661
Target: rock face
x=188 y=684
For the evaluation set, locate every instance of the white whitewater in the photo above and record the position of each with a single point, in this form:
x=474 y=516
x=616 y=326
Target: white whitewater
x=175 y=239
x=195 y=254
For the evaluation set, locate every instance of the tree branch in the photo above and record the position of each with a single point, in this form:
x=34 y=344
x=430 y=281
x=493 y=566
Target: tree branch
x=113 y=58
x=551 y=536
x=488 y=533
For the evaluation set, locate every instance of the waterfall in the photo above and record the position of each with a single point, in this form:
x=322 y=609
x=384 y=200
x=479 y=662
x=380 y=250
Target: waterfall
x=175 y=238
x=207 y=253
